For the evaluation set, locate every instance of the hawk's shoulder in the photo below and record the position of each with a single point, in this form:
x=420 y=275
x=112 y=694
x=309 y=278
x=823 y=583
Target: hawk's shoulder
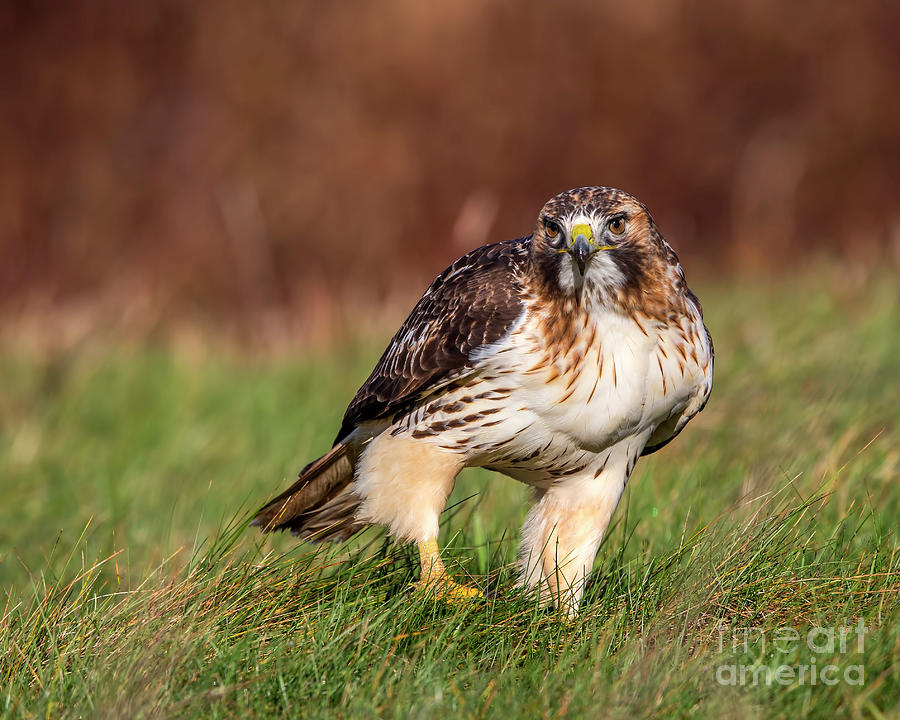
x=473 y=303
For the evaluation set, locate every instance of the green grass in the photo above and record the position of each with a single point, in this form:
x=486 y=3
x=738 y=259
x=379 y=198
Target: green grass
x=132 y=589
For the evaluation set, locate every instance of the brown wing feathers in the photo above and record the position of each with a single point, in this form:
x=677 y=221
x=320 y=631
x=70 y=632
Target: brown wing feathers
x=472 y=303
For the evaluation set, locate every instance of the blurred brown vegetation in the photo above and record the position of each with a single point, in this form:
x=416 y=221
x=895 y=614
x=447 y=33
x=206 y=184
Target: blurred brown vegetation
x=229 y=157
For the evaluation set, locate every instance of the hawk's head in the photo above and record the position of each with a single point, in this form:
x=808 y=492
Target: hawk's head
x=601 y=240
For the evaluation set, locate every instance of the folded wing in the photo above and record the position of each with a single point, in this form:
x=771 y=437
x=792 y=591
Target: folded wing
x=473 y=303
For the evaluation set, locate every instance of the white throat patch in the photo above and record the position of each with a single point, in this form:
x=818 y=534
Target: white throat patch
x=601 y=276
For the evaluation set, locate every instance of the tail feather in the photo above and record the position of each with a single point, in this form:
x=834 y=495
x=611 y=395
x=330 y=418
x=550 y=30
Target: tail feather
x=335 y=520
x=320 y=505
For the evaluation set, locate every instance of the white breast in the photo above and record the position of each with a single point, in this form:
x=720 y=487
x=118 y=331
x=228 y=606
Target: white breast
x=594 y=394
x=535 y=405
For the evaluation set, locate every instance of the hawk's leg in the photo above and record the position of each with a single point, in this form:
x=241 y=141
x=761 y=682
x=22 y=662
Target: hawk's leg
x=435 y=579
x=561 y=536
x=403 y=483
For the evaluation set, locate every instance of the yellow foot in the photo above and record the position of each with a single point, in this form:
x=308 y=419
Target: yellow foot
x=448 y=590
x=435 y=579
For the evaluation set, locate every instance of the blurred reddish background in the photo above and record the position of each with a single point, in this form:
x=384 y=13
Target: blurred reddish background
x=227 y=158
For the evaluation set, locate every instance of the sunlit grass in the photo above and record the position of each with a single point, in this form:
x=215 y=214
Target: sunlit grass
x=132 y=588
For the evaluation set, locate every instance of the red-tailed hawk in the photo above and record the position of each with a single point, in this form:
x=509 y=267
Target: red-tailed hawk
x=557 y=359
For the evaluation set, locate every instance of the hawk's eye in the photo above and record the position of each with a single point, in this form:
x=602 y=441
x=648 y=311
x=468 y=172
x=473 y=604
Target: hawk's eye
x=551 y=228
x=616 y=226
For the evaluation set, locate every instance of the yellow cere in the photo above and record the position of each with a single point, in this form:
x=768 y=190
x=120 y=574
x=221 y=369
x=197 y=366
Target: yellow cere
x=583 y=229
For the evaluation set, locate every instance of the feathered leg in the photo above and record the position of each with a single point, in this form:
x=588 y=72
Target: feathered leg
x=562 y=533
x=403 y=483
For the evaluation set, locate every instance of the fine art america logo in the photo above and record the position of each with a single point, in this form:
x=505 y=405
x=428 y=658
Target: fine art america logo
x=822 y=642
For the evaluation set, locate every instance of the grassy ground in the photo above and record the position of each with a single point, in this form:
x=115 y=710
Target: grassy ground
x=130 y=587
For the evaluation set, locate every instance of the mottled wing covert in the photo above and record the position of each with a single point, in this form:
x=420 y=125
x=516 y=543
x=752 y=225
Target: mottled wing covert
x=472 y=303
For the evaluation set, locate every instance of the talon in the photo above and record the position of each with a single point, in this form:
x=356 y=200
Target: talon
x=435 y=579
x=448 y=590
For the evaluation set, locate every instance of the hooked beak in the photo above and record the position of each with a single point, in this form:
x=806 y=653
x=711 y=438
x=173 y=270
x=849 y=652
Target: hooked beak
x=582 y=245
x=581 y=251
